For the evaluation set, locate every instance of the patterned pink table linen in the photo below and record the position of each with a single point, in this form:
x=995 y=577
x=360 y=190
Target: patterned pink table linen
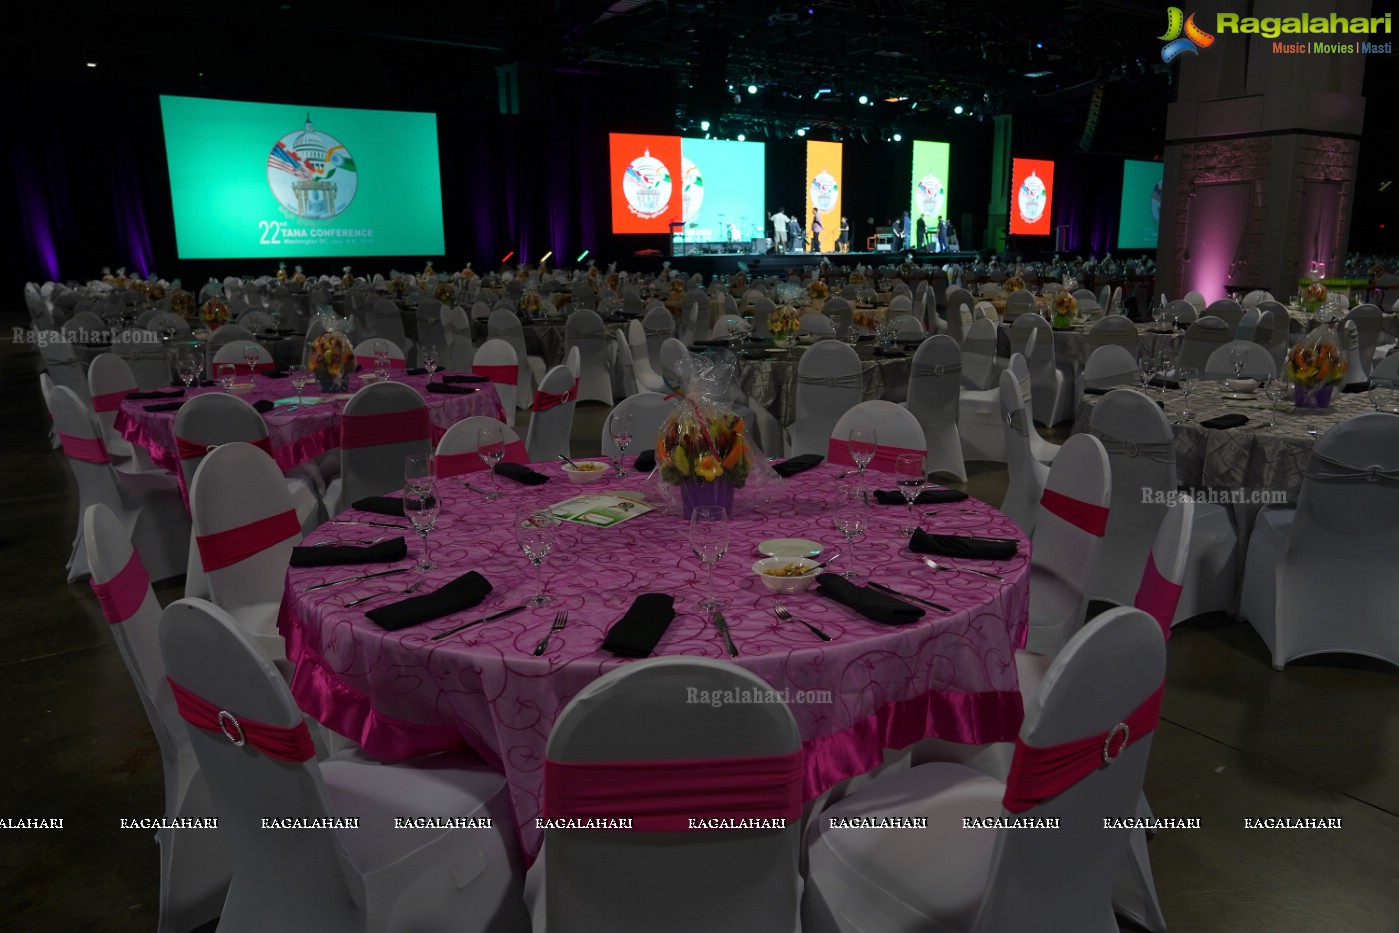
x=401 y=694
x=297 y=436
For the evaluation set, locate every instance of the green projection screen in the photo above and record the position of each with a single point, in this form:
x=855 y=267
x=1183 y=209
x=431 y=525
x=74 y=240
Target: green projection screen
x=1140 y=221
x=279 y=181
x=930 y=181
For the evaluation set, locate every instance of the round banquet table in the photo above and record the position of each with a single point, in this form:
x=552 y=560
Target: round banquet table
x=302 y=434
x=400 y=694
x=772 y=381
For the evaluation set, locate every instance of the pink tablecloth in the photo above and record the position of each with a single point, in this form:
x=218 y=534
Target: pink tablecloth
x=300 y=435
x=400 y=694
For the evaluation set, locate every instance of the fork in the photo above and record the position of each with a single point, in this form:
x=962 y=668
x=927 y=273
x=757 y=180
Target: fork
x=364 y=541
x=560 y=621
x=786 y=616
x=364 y=599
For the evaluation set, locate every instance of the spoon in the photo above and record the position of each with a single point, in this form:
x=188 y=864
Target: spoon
x=948 y=567
x=570 y=463
x=811 y=570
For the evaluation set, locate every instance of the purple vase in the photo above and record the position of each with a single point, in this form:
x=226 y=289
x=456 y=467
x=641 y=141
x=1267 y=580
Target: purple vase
x=696 y=494
x=1314 y=397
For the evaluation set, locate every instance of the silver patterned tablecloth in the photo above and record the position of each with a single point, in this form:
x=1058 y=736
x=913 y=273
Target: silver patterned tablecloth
x=1071 y=348
x=772 y=383
x=1254 y=456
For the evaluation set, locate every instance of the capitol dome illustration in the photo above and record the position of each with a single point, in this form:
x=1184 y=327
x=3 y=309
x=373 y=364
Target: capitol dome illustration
x=311 y=174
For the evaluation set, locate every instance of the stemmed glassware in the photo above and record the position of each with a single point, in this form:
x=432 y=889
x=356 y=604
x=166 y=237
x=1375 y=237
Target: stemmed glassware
x=1158 y=313
x=421 y=508
x=911 y=478
x=227 y=376
x=1237 y=359
x=251 y=356
x=535 y=532
x=709 y=539
x=1271 y=390
x=1146 y=368
x=185 y=368
x=428 y=354
x=198 y=367
x=420 y=470
x=864 y=444
x=620 y=429
x=851 y=519
x=490 y=447
x=1185 y=378
x=299 y=380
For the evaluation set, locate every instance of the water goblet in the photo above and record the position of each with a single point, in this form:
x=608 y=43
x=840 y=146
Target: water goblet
x=251 y=355
x=428 y=354
x=420 y=470
x=1146 y=368
x=185 y=368
x=535 y=532
x=421 y=508
x=911 y=477
x=299 y=379
x=227 y=375
x=1270 y=392
x=620 y=428
x=1238 y=359
x=490 y=447
x=864 y=444
x=198 y=367
x=1185 y=378
x=709 y=539
x=851 y=519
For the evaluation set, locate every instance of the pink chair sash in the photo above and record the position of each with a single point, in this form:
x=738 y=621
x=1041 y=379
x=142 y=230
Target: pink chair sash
x=285 y=743
x=505 y=375
x=90 y=449
x=226 y=548
x=394 y=427
x=243 y=370
x=543 y=401
x=1082 y=515
x=663 y=796
x=367 y=363
x=187 y=449
x=109 y=401
x=121 y=596
x=471 y=462
x=1157 y=596
x=885 y=457
x=1038 y=774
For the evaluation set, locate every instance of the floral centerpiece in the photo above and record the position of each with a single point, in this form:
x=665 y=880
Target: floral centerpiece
x=298 y=275
x=857 y=278
x=331 y=359
x=182 y=303
x=445 y=293
x=427 y=270
x=281 y=272
x=677 y=289
x=530 y=302
x=783 y=322
x=214 y=313
x=347 y=278
x=613 y=280
x=866 y=320
x=1062 y=309
x=1314 y=296
x=739 y=280
x=395 y=285
x=819 y=289
x=155 y=291
x=1013 y=284
x=702 y=448
x=1315 y=367
x=468 y=272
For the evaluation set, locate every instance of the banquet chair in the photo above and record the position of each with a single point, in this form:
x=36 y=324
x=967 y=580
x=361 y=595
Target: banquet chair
x=841 y=314
x=896 y=429
x=991 y=289
x=1252 y=299
x=726 y=325
x=457 y=451
x=648 y=378
x=830 y=381
x=582 y=297
x=1319 y=574
x=495 y=359
x=227 y=335
x=1181 y=312
x=1227 y=310
x=694 y=322
x=233 y=353
x=1201 y=339
x=1085 y=294
x=194 y=863
x=585 y=333
x=901 y=303
x=145 y=355
x=256 y=320
x=109 y=379
x=649 y=411
x=978 y=406
x=1257 y=365
x=46 y=393
x=631 y=301
x=1196 y=300
x=431 y=321
x=1102 y=690
x=1368 y=320
x=908 y=327
x=458 y=351
x=675 y=356
x=729 y=305
x=87 y=323
x=658 y=325
x=386 y=321
x=480 y=311
x=1387 y=369
x=1052 y=400
x=623 y=368
x=901 y=289
x=573 y=360
x=1272 y=330
x=370 y=878
x=933 y=397
x=365 y=356
x=163 y=321
x=65 y=369
x=147 y=504
x=551 y=419
x=815 y=324
x=979 y=357
x=1026 y=475
x=1019 y=304
x=1114 y=330
x=504 y=325
x=762 y=307
x=621 y=882
x=1248 y=325
x=382 y=424
x=1108 y=367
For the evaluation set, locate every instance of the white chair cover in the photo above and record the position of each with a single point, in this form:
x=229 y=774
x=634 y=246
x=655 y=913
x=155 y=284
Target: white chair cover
x=1196 y=300
x=378 y=469
x=1027 y=476
x=464 y=438
x=762 y=307
x=1018 y=304
x=649 y=411
x=830 y=382
x=648 y=377
x=1368 y=320
x=901 y=303
x=504 y=325
x=460 y=351
x=1183 y=312
x=958 y=301
x=432 y=330
x=818 y=324
x=550 y=431
x=232 y=352
x=978 y=411
x=64 y=368
x=1110 y=366
x=386 y=321
x=1114 y=330
x=1248 y=325
x=933 y=396
x=499 y=353
x=896 y=430
x=108 y=380
x=694 y=321
x=1201 y=339
x=585 y=333
x=1252 y=299
x=1052 y=399
x=623 y=368
x=1272 y=330
x=147 y=357
x=1227 y=310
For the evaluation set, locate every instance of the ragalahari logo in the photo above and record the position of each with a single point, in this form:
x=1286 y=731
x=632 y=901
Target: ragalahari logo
x=1176 y=44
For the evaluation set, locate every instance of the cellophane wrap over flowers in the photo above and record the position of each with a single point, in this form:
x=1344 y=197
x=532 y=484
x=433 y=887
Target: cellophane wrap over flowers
x=331 y=356
x=704 y=453
x=1316 y=367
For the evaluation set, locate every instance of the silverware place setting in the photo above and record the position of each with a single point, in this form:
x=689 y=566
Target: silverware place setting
x=785 y=616
x=364 y=599
x=937 y=565
x=908 y=598
x=560 y=621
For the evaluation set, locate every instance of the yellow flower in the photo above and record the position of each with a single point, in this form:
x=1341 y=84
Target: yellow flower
x=709 y=467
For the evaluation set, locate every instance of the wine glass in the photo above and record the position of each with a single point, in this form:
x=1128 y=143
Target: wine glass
x=490 y=447
x=299 y=379
x=851 y=519
x=227 y=375
x=911 y=478
x=1272 y=388
x=620 y=429
x=428 y=354
x=1185 y=378
x=420 y=470
x=381 y=351
x=421 y=507
x=1158 y=313
x=185 y=368
x=1146 y=368
x=1237 y=359
x=709 y=539
x=251 y=357
x=864 y=444
x=535 y=532
x=198 y=367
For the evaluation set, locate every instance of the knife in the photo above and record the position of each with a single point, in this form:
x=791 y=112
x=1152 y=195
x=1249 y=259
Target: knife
x=499 y=615
x=914 y=599
x=363 y=576
x=346 y=521
x=723 y=627
x=475 y=489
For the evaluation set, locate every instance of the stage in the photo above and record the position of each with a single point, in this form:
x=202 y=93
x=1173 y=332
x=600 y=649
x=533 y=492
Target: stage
x=771 y=263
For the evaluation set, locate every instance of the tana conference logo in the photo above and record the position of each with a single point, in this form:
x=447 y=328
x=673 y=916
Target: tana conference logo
x=1182 y=35
x=312 y=174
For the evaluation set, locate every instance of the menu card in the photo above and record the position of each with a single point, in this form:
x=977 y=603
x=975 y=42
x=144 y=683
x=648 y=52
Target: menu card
x=599 y=510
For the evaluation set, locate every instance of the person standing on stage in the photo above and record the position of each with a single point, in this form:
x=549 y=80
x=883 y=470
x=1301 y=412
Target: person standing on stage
x=794 y=234
x=922 y=241
x=843 y=241
x=779 y=229
x=908 y=228
x=943 y=226
x=816 y=229
x=896 y=227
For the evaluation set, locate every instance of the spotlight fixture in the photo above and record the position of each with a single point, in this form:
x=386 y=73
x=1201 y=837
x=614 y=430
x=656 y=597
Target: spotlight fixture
x=801 y=131
x=704 y=124
x=742 y=138
x=864 y=99
x=752 y=89
x=92 y=64
x=898 y=137
x=957 y=109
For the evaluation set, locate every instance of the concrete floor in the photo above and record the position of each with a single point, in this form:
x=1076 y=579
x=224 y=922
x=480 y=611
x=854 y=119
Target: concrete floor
x=1237 y=739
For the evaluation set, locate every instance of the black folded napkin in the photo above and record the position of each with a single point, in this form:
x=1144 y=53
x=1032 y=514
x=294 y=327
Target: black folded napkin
x=521 y=474
x=1159 y=382
x=1350 y=387
x=872 y=604
x=462 y=593
x=464 y=377
x=635 y=634
x=168 y=406
x=889 y=351
x=794 y=465
x=207 y=383
x=1232 y=420
x=415 y=371
x=754 y=355
x=926 y=497
x=381 y=505
x=450 y=389
x=138 y=395
x=962 y=546
x=263 y=406
x=385 y=552
x=645 y=461
x=274 y=374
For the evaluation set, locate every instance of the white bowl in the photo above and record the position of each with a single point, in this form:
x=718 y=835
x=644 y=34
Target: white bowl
x=785 y=584
x=1241 y=385
x=586 y=476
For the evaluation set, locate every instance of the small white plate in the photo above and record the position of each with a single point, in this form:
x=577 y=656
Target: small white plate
x=789 y=547
x=1240 y=396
